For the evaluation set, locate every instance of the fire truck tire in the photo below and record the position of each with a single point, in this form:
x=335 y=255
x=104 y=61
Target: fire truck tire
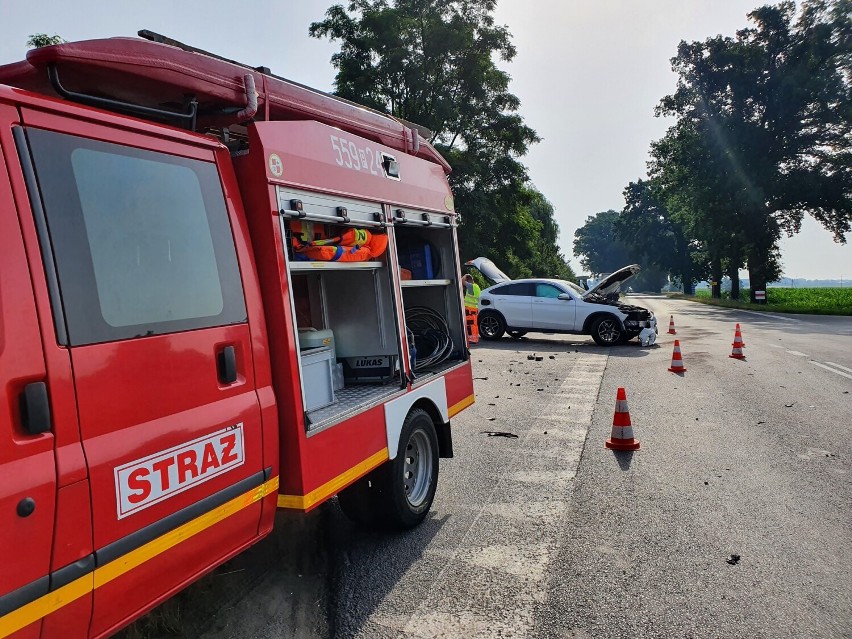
x=399 y=493
x=412 y=477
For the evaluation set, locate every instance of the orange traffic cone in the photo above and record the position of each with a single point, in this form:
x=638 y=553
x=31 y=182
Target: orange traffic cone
x=737 y=351
x=622 y=430
x=738 y=336
x=672 y=330
x=677 y=361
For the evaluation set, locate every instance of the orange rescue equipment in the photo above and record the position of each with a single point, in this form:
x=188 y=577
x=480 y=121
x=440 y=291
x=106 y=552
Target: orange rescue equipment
x=315 y=243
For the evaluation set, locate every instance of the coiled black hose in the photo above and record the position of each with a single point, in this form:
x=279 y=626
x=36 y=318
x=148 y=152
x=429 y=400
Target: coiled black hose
x=431 y=336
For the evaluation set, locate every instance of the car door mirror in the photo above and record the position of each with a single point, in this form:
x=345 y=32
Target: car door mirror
x=565 y=297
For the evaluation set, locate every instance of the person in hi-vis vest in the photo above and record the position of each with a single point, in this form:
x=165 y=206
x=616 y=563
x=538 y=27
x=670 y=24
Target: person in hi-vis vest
x=471 y=307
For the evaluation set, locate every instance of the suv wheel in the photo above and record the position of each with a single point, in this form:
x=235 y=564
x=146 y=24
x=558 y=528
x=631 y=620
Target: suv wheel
x=491 y=326
x=607 y=331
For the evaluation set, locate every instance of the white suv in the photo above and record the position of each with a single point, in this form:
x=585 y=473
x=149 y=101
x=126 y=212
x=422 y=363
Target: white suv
x=557 y=306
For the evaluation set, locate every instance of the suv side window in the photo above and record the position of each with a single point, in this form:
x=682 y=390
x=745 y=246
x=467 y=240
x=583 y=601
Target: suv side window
x=141 y=239
x=516 y=288
x=547 y=290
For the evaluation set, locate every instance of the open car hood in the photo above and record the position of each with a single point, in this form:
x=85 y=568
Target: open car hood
x=612 y=282
x=489 y=270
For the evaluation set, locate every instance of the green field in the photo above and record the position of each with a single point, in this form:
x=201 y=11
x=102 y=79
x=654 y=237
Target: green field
x=817 y=301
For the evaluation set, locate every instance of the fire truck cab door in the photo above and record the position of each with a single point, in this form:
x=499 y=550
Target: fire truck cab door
x=27 y=466
x=160 y=346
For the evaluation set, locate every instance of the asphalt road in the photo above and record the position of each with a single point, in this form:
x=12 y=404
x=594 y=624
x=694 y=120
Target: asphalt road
x=747 y=458
x=549 y=534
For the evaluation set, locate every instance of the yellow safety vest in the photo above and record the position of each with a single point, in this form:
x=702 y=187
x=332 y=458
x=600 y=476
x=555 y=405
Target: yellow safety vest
x=471 y=300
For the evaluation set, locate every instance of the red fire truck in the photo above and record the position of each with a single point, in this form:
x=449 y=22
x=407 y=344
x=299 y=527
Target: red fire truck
x=221 y=293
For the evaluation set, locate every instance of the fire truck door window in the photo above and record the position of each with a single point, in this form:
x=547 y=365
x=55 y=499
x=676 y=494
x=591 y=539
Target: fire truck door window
x=142 y=239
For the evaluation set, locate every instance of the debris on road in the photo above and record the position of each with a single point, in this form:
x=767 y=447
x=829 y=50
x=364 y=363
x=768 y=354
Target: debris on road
x=733 y=560
x=497 y=433
x=483 y=378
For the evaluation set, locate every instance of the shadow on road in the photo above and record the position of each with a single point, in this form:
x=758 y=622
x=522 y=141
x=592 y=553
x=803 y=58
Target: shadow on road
x=546 y=345
x=624 y=458
x=384 y=559
x=297 y=583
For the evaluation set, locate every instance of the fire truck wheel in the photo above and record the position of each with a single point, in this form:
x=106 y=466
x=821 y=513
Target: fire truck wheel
x=398 y=494
x=413 y=476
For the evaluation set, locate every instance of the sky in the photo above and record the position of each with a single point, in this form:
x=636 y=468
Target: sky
x=588 y=73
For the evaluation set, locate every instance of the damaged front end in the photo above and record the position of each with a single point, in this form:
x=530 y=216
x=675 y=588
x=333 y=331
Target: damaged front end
x=638 y=321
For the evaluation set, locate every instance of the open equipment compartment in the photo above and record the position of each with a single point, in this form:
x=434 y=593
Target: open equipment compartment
x=345 y=319
x=431 y=291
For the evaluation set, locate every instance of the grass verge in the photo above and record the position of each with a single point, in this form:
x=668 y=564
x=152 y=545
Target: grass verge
x=811 y=301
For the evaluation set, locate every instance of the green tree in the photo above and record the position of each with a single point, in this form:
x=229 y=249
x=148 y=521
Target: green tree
x=601 y=249
x=664 y=238
x=692 y=184
x=773 y=108
x=433 y=62
x=549 y=260
x=37 y=40
x=597 y=241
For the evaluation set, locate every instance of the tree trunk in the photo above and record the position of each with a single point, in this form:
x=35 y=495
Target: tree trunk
x=716 y=278
x=757 y=280
x=762 y=267
x=734 y=276
x=686 y=282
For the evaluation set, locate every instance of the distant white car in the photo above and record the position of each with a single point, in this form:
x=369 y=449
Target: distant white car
x=557 y=306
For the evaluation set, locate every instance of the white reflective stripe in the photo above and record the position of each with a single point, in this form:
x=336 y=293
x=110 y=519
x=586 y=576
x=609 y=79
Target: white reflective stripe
x=621 y=406
x=622 y=432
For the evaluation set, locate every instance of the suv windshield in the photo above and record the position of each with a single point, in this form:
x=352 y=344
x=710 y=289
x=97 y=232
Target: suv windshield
x=574 y=288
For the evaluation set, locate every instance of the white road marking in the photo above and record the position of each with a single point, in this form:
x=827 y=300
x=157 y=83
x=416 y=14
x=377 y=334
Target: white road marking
x=776 y=346
x=829 y=368
x=799 y=353
x=770 y=315
x=521 y=563
x=840 y=367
